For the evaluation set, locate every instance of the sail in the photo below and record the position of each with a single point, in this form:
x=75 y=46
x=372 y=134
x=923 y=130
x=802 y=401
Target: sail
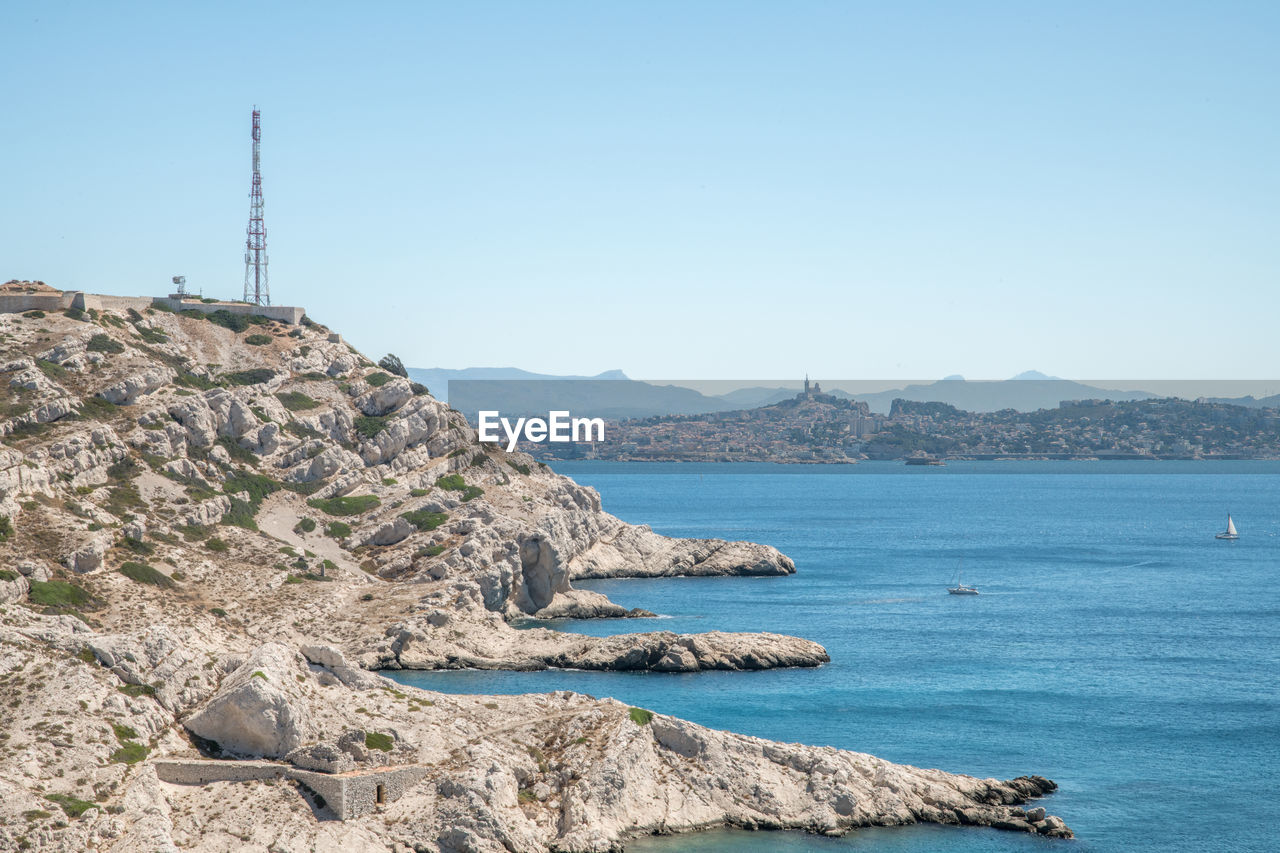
x=1231 y=526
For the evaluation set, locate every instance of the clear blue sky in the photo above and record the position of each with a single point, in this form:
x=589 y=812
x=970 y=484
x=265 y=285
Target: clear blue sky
x=678 y=189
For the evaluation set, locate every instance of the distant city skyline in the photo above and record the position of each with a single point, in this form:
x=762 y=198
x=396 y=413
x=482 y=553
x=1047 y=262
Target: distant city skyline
x=726 y=189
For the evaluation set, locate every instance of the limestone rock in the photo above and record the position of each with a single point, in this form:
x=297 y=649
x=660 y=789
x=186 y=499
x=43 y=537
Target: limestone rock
x=259 y=710
x=389 y=533
x=88 y=557
x=128 y=390
x=15 y=589
x=386 y=399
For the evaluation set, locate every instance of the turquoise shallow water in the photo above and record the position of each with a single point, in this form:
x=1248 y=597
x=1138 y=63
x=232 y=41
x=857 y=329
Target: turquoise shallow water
x=1116 y=646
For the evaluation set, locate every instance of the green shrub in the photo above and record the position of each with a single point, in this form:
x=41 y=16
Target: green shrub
x=216 y=545
x=142 y=573
x=293 y=579
x=136 y=690
x=368 y=426
x=218 y=611
x=424 y=520
x=195 y=380
x=241 y=514
x=137 y=546
x=34 y=315
x=417 y=493
x=378 y=741
x=6 y=528
x=337 y=530
x=74 y=314
x=122 y=498
x=8 y=575
x=208 y=300
x=236 y=452
x=104 y=343
x=296 y=401
x=227 y=320
x=58 y=594
x=418 y=389
x=346 y=505
x=257 y=340
x=392 y=364
x=640 y=716
x=73 y=806
x=389 y=481
x=455 y=483
x=431 y=551
x=150 y=335
x=301 y=430
x=97 y=408
x=129 y=753
x=123 y=732
x=305 y=525
x=53 y=371
x=257 y=486
x=255 y=376
x=377 y=380
x=124 y=469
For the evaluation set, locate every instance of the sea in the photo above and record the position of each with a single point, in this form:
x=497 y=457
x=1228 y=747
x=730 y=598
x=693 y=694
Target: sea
x=1115 y=647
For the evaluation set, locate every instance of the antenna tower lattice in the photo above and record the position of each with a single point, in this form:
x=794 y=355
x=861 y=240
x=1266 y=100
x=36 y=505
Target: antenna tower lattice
x=256 y=290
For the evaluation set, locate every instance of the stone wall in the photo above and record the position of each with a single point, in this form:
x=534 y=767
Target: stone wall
x=198 y=772
x=16 y=303
x=285 y=313
x=347 y=795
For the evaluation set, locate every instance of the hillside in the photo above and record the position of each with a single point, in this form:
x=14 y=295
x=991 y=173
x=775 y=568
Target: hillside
x=213 y=528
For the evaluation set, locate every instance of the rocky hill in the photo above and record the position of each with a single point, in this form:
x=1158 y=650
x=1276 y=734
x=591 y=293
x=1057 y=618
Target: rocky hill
x=214 y=526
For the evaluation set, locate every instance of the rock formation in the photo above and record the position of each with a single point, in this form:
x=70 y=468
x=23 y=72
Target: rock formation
x=207 y=545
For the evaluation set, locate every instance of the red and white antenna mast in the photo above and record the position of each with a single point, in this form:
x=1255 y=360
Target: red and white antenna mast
x=256 y=290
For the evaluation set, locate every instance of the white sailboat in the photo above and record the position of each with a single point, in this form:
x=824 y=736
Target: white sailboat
x=961 y=589
x=1230 y=532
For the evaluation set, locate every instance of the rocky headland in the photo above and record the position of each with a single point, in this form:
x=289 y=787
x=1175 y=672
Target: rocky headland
x=213 y=528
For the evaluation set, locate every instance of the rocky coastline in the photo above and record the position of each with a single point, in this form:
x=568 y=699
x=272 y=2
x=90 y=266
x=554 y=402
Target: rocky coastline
x=209 y=543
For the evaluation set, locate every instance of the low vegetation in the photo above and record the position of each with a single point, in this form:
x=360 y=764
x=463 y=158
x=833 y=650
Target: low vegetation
x=136 y=690
x=337 y=530
x=142 y=573
x=640 y=716
x=424 y=519
x=73 y=806
x=296 y=401
x=346 y=505
x=257 y=340
x=368 y=426
x=455 y=483
x=58 y=594
x=255 y=376
x=378 y=741
x=104 y=343
x=235 y=322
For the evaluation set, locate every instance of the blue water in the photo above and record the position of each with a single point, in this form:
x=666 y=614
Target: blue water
x=1116 y=647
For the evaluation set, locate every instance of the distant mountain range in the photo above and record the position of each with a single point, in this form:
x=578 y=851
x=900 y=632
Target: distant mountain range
x=613 y=395
x=437 y=378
